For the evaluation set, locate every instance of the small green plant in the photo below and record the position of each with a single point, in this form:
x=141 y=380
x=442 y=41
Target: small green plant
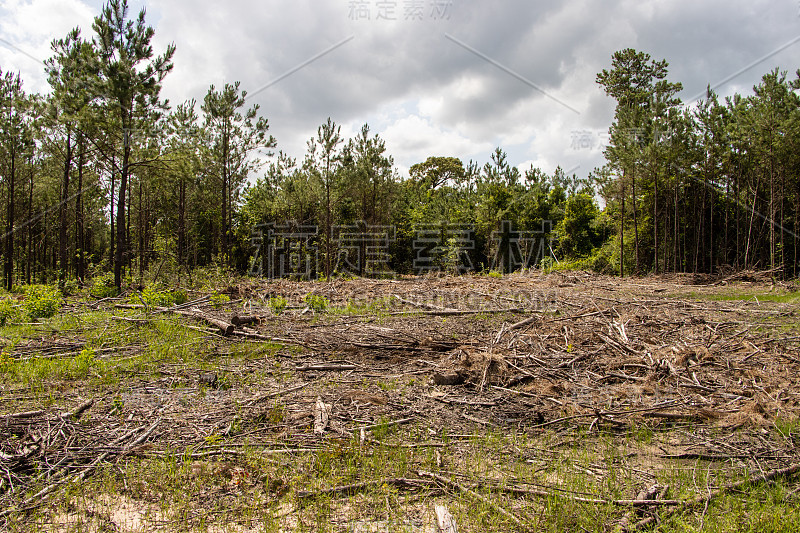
x=153 y=297
x=315 y=302
x=277 y=414
x=277 y=304
x=70 y=287
x=384 y=429
x=495 y=274
x=6 y=363
x=450 y=256
x=103 y=286
x=218 y=300
x=116 y=406
x=7 y=311
x=41 y=301
x=213 y=439
x=84 y=361
x=788 y=427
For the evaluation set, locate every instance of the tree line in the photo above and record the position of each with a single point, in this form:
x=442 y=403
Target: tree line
x=103 y=176
x=701 y=187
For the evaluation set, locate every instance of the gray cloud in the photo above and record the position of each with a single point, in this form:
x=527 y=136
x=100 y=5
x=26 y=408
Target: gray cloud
x=417 y=86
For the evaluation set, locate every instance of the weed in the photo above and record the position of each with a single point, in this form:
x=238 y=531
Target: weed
x=640 y=433
x=8 y=311
x=6 y=362
x=152 y=296
x=218 y=300
x=789 y=428
x=315 y=302
x=278 y=304
x=41 y=301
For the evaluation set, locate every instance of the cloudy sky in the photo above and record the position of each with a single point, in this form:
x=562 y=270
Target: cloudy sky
x=434 y=77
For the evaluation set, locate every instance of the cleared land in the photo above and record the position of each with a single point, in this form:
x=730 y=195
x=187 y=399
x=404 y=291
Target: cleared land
x=567 y=402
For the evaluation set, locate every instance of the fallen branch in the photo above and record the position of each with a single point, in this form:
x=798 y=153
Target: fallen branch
x=703 y=500
x=400 y=482
x=328 y=367
x=454 y=484
x=266 y=396
x=77 y=411
x=387 y=424
x=225 y=328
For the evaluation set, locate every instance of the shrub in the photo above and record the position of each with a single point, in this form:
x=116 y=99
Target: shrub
x=218 y=300
x=315 y=302
x=103 y=286
x=41 y=301
x=153 y=297
x=7 y=311
x=278 y=304
x=6 y=363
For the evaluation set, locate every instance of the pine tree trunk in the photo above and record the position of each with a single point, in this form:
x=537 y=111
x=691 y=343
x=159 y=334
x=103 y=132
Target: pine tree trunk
x=622 y=231
x=635 y=221
x=120 y=255
x=80 y=241
x=9 y=270
x=181 y=221
x=62 y=213
x=31 y=227
x=655 y=216
x=112 y=251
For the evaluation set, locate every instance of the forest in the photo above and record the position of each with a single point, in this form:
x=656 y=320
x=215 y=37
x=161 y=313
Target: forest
x=102 y=178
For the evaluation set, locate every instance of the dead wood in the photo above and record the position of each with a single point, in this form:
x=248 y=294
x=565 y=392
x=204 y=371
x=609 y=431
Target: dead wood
x=458 y=486
x=268 y=395
x=225 y=328
x=702 y=500
x=444 y=520
x=238 y=321
x=399 y=482
x=326 y=367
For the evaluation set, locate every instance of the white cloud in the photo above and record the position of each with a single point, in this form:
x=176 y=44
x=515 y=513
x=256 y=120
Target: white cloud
x=29 y=27
x=422 y=91
x=417 y=138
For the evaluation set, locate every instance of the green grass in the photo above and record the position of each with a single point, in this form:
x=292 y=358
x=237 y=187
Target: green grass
x=737 y=294
x=259 y=490
x=254 y=487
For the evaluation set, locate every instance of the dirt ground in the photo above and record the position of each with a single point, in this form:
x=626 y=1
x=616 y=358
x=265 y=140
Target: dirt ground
x=706 y=358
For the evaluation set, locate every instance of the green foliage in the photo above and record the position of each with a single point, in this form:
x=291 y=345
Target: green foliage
x=103 y=286
x=41 y=301
x=6 y=362
x=601 y=260
x=69 y=287
x=450 y=258
x=8 y=311
x=278 y=304
x=316 y=302
x=152 y=296
x=578 y=232
x=219 y=300
x=84 y=361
